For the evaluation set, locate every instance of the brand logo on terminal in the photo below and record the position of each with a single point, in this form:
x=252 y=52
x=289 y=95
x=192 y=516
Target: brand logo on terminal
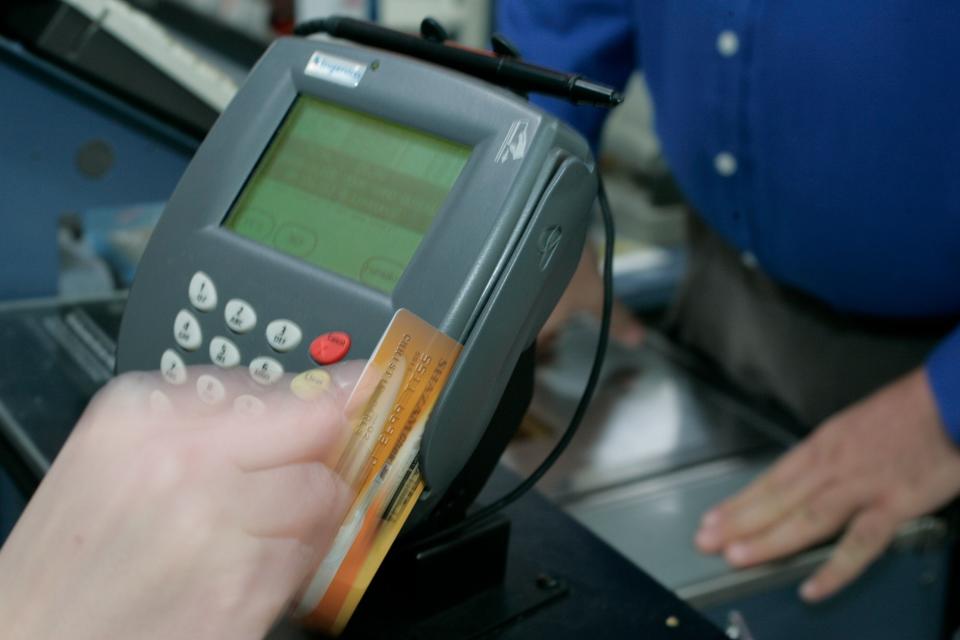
x=334 y=69
x=548 y=243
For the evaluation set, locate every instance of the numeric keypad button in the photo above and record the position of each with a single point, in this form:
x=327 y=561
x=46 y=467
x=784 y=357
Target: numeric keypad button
x=249 y=406
x=224 y=353
x=283 y=335
x=186 y=331
x=202 y=292
x=159 y=401
x=310 y=385
x=239 y=315
x=210 y=390
x=265 y=370
x=172 y=367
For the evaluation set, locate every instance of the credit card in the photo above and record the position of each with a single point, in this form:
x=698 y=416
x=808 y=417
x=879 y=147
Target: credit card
x=377 y=459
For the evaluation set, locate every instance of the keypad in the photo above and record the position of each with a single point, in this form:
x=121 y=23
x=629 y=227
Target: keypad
x=281 y=335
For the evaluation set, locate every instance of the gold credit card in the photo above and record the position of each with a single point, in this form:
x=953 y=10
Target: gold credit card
x=377 y=459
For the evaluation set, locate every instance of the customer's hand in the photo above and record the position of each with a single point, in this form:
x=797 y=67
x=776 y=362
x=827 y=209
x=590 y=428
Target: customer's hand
x=164 y=517
x=864 y=472
x=584 y=294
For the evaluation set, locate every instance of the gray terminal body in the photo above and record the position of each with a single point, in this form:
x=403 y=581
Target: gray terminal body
x=487 y=273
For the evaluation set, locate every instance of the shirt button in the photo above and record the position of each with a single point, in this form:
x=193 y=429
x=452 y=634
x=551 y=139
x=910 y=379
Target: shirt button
x=725 y=163
x=728 y=44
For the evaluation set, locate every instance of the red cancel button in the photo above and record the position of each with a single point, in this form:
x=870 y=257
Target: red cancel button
x=330 y=347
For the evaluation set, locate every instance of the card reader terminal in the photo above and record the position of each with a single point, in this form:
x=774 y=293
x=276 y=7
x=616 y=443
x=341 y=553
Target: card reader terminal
x=342 y=184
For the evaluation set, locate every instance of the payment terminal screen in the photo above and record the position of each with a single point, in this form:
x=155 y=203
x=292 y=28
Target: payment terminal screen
x=348 y=192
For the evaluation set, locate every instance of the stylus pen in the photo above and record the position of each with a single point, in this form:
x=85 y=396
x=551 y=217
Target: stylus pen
x=501 y=70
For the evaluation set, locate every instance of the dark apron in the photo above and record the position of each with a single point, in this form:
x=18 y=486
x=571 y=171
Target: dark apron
x=781 y=345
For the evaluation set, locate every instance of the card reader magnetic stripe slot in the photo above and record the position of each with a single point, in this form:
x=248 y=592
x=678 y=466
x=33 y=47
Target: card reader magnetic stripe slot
x=552 y=166
x=524 y=297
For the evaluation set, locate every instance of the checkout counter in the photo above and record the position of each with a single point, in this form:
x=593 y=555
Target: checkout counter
x=610 y=538
x=662 y=442
x=666 y=439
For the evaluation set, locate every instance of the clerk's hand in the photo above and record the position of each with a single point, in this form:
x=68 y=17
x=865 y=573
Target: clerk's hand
x=864 y=472
x=584 y=294
x=163 y=517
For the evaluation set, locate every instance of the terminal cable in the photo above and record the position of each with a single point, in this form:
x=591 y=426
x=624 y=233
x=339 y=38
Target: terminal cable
x=602 y=341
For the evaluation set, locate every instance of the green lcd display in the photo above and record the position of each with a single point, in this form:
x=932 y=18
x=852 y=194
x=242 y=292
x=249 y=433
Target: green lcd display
x=348 y=192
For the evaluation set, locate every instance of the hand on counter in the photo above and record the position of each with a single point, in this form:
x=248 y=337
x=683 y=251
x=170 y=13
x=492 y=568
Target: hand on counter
x=164 y=517
x=864 y=472
x=584 y=294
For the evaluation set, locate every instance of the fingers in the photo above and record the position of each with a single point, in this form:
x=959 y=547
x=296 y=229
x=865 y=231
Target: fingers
x=294 y=420
x=126 y=395
x=765 y=501
x=813 y=521
x=304 y=501
x=208 y=392
x=260 y=590
x=288 y=431
x=346 y=374
x=868 y=536
x=141 y=400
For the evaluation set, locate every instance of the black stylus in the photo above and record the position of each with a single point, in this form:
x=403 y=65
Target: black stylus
x=505 y=71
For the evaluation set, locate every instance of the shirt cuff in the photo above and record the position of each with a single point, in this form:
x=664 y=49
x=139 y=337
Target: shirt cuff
x=943 y=371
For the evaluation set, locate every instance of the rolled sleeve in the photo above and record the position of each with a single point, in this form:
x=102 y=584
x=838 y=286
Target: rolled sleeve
x=943 y=370
x=595 y=38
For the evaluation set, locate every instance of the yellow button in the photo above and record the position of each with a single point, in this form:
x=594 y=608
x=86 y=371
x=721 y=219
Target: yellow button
x=310 y=384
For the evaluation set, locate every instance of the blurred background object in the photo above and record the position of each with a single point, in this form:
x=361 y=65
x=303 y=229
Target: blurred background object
x=648 y=207
x=180 y=61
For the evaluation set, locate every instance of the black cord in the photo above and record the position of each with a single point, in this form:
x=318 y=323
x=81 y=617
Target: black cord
x=310 y=27
x=589 y=388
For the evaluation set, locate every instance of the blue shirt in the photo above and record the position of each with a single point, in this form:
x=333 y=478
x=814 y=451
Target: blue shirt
x=822 y=137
